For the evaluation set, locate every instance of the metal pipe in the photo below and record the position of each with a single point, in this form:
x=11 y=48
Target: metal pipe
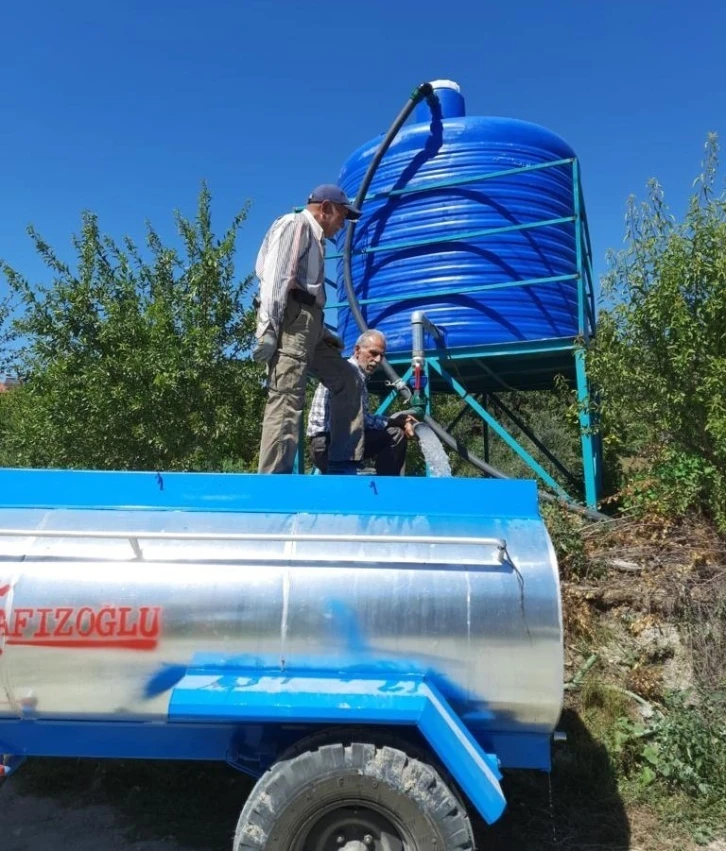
x=417 y=335
x=500 y=543
x=419 y=324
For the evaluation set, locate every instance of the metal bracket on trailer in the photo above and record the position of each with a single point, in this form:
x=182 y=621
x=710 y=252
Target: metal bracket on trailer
x=257 y=696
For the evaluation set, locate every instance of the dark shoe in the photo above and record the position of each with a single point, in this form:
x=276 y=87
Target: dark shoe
x=343 y=468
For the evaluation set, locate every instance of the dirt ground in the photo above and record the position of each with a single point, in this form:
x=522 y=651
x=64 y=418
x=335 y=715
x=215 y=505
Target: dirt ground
x=29 y=823
x=104 y=805
x=89 y=805
x=100 y=805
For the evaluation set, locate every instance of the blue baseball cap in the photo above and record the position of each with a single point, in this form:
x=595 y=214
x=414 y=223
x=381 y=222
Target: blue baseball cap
x=331 y=192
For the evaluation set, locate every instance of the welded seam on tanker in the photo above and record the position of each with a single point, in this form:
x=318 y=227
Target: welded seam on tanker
x=290 y=551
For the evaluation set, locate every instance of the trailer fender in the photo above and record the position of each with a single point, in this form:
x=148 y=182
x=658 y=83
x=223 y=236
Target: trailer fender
x=268 y=697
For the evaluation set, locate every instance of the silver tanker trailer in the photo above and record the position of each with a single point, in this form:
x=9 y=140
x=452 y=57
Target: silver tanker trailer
x=374 y=650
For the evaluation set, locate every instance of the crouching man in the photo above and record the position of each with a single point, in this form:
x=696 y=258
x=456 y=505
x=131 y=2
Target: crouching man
x=385 y=438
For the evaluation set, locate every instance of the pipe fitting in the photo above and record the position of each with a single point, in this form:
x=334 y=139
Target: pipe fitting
x=423 y=90
x=420 y=323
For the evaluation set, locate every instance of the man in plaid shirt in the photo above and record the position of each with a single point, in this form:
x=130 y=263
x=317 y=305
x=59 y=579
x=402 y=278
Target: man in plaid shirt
x=385 y=438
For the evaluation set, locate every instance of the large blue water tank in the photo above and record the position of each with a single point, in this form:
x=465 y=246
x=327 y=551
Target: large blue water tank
x=451 y=146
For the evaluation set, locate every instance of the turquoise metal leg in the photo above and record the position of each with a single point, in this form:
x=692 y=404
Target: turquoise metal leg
x=427 y=389
x=512 y=417
x=500 y=430
x=590 y=454
x=486 y=429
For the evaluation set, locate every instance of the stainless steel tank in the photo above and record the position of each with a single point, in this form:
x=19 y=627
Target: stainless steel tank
x=108 y=584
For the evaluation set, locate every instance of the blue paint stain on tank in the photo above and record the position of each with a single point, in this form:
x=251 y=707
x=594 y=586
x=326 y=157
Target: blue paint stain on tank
x=441 y=275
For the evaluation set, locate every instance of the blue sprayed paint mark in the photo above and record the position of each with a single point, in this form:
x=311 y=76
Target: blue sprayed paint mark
x=163 y=680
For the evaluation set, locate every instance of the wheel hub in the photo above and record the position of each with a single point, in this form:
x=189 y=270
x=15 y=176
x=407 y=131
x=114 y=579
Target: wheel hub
x=353 y=829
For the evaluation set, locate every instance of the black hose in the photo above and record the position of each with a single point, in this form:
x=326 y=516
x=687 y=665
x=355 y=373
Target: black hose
x=418 y=94
x=425 y=90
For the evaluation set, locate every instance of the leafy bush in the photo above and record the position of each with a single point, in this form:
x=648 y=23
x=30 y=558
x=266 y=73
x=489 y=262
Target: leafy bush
x=128 y=361
x=660 y=356
x=683 y=747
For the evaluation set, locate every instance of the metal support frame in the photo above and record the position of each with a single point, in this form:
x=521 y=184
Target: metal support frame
x=463 y=411
x=591 y=455
x=498 y=429
x=241 y=745
x=485 y=435
x=589 y=438
x=524 y=428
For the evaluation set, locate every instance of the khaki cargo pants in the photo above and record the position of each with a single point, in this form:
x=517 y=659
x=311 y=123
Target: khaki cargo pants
x=301 y=351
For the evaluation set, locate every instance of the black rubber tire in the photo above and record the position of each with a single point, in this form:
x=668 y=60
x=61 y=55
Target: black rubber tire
x=407 y=791
x=381 y=738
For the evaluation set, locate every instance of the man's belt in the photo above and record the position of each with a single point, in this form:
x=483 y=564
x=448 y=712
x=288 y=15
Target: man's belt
x=303 y=297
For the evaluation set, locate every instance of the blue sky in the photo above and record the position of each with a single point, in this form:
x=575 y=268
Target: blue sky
x=124 y=107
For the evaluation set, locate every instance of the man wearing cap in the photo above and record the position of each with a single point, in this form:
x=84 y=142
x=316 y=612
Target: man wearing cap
x=293 y=340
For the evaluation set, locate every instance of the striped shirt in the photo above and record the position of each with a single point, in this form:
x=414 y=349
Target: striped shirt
x=292 y=256
x=319 y=416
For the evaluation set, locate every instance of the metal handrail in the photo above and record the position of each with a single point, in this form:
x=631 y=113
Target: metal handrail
x=457 y=237
x=479 y=288
x=134 y=537
x=461 y=181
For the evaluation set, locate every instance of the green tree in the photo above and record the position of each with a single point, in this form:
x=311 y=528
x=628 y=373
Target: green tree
x=660 y=356
x=134 y=362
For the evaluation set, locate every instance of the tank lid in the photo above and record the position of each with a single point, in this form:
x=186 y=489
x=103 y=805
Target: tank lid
x=446 y=84
x=450 y=103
